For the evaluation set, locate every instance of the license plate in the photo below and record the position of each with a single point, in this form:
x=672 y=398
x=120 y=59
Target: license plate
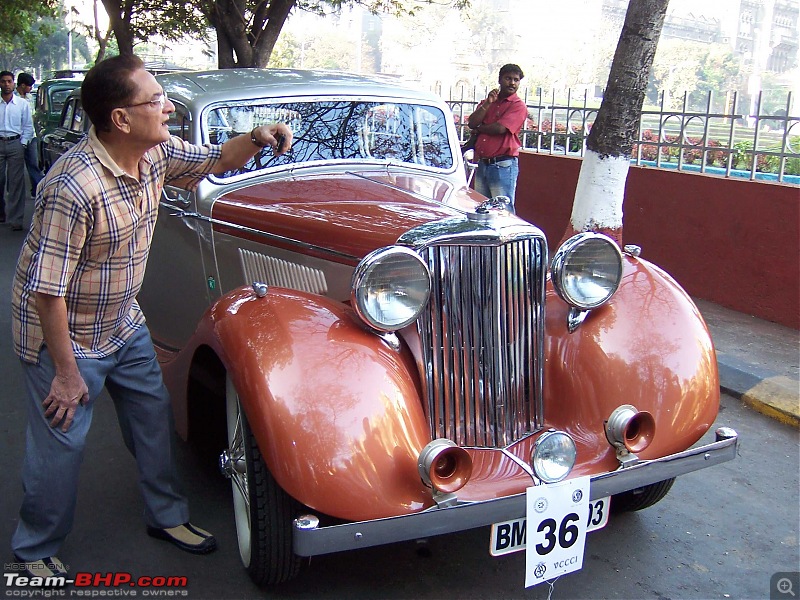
x=511 y=536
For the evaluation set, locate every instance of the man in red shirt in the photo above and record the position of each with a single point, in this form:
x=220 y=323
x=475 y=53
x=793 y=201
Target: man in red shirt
x=498 y=120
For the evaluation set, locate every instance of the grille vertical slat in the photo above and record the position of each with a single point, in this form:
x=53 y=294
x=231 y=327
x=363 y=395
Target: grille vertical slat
x=482 y=340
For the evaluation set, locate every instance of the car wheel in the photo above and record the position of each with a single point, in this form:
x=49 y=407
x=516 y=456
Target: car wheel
x=262 y=510
x=642 y=497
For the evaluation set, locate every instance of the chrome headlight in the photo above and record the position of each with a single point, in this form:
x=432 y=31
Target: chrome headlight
x=390 y=288
x=586 y=270
x=553 y=456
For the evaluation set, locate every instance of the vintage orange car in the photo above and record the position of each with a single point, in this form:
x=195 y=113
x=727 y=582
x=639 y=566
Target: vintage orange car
x=381 y=354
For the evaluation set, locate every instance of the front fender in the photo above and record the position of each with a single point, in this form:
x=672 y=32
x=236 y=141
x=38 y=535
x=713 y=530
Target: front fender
x=648 y=347
x=336 y=411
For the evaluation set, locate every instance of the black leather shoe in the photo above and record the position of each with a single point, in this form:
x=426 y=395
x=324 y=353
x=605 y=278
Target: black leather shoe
x=48 y=566
x=186 y=537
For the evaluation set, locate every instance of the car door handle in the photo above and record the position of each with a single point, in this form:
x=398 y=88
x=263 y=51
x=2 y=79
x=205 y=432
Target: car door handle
x=177 y=196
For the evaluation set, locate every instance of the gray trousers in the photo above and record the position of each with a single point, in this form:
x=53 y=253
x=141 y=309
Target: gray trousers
x=12 y=164
x=52 y=460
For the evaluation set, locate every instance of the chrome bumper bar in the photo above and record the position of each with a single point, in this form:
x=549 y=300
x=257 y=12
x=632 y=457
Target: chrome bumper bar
x=311 y=540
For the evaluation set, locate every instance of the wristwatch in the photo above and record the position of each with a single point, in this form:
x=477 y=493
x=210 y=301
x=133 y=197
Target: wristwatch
x=255 y=141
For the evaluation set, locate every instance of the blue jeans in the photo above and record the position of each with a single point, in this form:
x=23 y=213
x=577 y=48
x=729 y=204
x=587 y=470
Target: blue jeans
x=32 y=163
x=499 y=179
x=52 y=460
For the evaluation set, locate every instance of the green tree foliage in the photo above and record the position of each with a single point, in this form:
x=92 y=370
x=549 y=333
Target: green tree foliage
x=247 y=30
x=50 y=40
x=134 y=21
x=20 y=16
x=331 y=50
x=719 y=69
x=693 y=68
x=490 y=40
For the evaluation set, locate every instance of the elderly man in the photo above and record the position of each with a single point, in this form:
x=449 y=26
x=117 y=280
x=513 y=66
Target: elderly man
x=77 y=326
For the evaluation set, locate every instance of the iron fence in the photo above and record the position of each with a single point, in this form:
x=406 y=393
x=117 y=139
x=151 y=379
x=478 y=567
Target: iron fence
x=731 y=141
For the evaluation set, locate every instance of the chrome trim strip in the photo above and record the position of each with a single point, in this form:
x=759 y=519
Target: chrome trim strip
x=438 y=521
x=405 y=190
x=174 y=212
x=521 y=464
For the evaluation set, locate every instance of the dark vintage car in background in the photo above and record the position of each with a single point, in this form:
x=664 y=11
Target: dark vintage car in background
x=51 y=94
x=377 y=353
x=59 y=119
x=73 y=125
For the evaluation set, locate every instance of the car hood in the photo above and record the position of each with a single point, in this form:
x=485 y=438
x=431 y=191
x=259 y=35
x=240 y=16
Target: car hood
x=349 y=214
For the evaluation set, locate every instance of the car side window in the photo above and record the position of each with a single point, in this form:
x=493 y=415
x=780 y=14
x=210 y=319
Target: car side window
x=78 y=119
x=66 y=119
x=58 y=98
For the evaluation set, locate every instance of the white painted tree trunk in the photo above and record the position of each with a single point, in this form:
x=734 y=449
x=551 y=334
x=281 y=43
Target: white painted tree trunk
x=600 y=192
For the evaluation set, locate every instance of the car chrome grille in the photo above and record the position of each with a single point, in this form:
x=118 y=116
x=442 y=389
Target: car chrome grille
x=482 y=339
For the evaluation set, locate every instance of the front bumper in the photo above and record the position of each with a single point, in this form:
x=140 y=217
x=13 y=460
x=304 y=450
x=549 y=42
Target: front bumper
x=311 y=540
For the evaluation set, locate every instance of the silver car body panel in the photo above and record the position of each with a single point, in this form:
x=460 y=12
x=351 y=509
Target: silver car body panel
x=185 y=218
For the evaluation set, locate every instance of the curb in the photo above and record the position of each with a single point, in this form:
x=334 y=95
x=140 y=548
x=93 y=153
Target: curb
x=773 y=395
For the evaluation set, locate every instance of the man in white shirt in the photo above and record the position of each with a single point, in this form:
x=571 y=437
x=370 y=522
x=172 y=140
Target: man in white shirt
x=25 y=83
x=16 y=131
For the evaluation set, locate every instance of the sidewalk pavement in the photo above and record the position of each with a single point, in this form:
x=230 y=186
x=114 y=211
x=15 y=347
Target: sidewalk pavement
x=759 y=361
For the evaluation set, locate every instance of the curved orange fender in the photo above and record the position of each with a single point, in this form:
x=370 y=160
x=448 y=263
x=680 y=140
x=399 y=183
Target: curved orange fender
x=648 y=347
x=336 y=412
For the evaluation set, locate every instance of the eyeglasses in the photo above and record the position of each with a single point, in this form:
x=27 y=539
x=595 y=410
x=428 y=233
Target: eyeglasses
x=161 y=102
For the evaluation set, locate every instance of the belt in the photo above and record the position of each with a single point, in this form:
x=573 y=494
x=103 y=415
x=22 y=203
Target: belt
x=496 y=159
x=8 y=138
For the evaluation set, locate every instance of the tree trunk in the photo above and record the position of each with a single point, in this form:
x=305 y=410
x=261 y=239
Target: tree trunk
x=601 y=183
x=119 y=16
x=270 y=29
x=102 y=40
x=243 y=44
x=228 y=18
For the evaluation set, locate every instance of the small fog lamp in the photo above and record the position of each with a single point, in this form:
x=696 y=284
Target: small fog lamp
x=553 y=456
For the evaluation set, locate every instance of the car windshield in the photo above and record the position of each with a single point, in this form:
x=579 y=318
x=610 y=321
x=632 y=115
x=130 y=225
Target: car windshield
x=339 y=130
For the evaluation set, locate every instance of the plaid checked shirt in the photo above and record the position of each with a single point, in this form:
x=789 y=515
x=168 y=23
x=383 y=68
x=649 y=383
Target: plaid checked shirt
x=89 y=241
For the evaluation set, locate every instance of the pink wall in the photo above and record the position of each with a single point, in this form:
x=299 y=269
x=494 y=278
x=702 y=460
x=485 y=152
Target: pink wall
x=730 y=241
